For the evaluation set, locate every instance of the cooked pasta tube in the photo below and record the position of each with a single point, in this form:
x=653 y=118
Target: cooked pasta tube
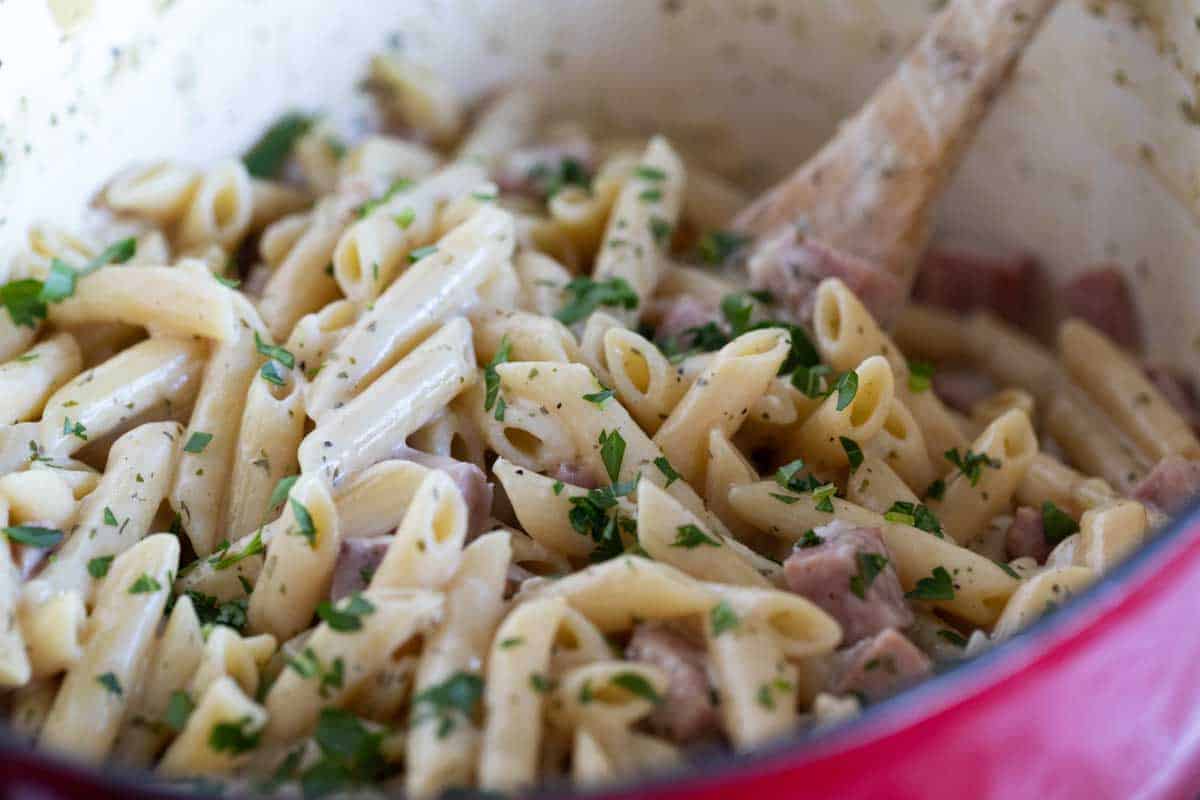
x=200 y=488
x=876 y=486
x=755 y=681
x=542 y=280
x=721 y=397
x=1109 y=533
x=1090 y=438
x=1049 y=479
x=223 y=705
x=514 y=694
x=153 y=373
x=375 y=501
x=726 y=467
x=643 y=217
x=437 y=757
x=1041 y=593
x=818 y=439
x=176 y=654
x=114 y=517
x=371 y=426
x=298 y=566
x=28 y=381
x=386 y=620
x=1011 y=357
x=932 y=334
x=96 y=690
x=1119 y=387
x=14 y=662
x=427 y=547
x=269 y=431
x=159 y=191
x=506 y=122
x=988 y=475
x=902 y=446
x=440 y=286
x=529 y=337
x=375 y=249
x=673 y=535
x=388 y=158
x=617 y=592
x=219 y=210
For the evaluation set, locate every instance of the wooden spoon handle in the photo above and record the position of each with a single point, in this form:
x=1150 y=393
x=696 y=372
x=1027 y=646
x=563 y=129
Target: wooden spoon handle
x=870 y=190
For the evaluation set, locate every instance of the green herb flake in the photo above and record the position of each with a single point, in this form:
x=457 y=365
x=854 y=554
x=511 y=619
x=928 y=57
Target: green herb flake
x=846 y=388
x=1056 y=523
x=33 y=535
x=266 y=158
x=23 y=300
x=810 y=539
x=648 y=173
x=971 y=464
x=717 y=247
x=854 y=453
x=511 y=642
x=540 y=683
x=280 y=492
x=869 y=566
x=145 y=584
x=110 y=518
x=98 y=566
x=599 y=397
x=233 y=737
x=586 y=295
x=920 y=376
x=197 y=442
x=491 y=378
x=558 y=487
x=722 y=618
x=952 y=636
x=664 y=466
x=455 y=698
x=304 y=522
x=936 y=490
x=75 y=429
x=936 y=587
x=421 y=252
x=690 y=537
x=612 y=453
x=179 y=708
x=109 y=681
x=637 y=685
x=404 y=218
x=347 y=615
x=280 y=354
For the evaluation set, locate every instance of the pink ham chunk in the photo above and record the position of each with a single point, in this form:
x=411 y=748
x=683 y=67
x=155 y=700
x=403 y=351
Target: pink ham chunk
x=687 y=712
x=470 y=480
x=1170 y=485
x=575 y=475
x=835 y=573
x=1026 y=536
x=962 y=281
x=880 y=666
x=791 y=266
x=679 y=315
x=961 y=389
x=1101 y=297
x=357 y=561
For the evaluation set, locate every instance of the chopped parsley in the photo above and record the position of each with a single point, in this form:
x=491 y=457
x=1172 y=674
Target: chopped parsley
x=846 y=388
x=664 y=466
x=764 y=697
x=548 y=180
x=716 y=247
x=23 y=300
x=952 y=636
x=110 y=518
x=109 y=681
x=98 y=566
x=810 y=539
x=649 y=173
x=636 y=684
x=810 y=381
x=75 y=429
x=971 y=464
x=421 y=252
x=271 y=351
x=394 y=189
x=304 y=522
x=558 y=487
x=854 y=453
x=920 y=376
x=589 y=515
x=491 y=378
x=453 y=699
x=404 y=218
x=307 y=665
x=936 y=490
x=915 y=514
x=211 y=611
x=586 y=295
x=268 y=155
x=540 y=682
x=351 y=756
x=222 y=559
x=824 y=496
x=145 y=584
x=349 y=616
x=1008 y=570
x=690 y=536
x=233 y=737
x=60 y=283
x=612 y=452
x=722 y=618
x=511 y=642
x=869 y=566
x=936 y=587
x=599 y=397
x=179 y=708
x=1056 y=523
x=280 y=492
x=197 y=442
x=33 y=535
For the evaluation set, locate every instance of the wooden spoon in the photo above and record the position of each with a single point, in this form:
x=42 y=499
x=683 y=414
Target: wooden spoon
x=870 y=190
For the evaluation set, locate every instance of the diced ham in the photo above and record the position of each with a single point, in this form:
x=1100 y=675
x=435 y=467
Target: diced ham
x=687 y=713
x=357 y=560
x=470 y=480
x=1101 y=297
x=1026 y=536
x=1178 y=389
x=961 y=389
x=828 y=574
x=680 y=314
x=529 y=170
x=877 y=667
x=962 y=281
x=790 y=266
x=1170 y=485
x=575 y=475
